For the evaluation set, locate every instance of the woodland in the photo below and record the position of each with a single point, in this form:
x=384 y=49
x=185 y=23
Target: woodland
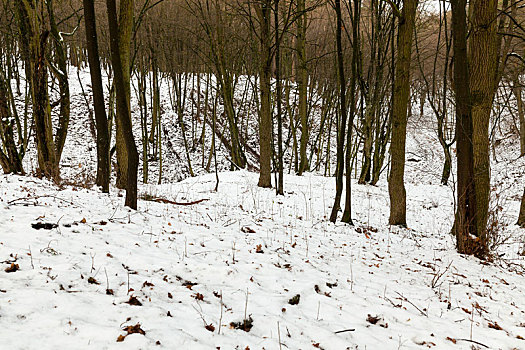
x=220 y=139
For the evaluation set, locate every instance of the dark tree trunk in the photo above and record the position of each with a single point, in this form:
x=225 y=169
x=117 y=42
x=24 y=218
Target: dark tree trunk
x=401 y=104
x=103 y=161
x=122 y=101
x=342 y=120
x=465 y=225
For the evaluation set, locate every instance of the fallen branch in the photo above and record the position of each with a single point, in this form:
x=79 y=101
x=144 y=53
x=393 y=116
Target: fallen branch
x=345 y=330
x=167 y=201
x=411 y=303
x=473 y=341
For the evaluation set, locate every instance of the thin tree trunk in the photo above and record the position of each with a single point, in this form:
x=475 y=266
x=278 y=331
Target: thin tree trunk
x=521 y=218
x=347 y=214
x=302 y=84
x=342 y=109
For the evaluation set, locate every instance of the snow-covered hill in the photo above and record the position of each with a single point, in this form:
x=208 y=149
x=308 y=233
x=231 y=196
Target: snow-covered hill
x=244 y=253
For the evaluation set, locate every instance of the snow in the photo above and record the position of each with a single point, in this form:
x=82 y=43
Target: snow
x=254 y=248
x=412 y=279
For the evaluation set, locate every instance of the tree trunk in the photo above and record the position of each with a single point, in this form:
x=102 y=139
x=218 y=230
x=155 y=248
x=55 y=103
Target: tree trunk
x=396 y=186
x=122 y=102
x=465 y=225
x=103 y=159
x=10 y=161
x=302 y=84
x=265 y=113
x=342 y=120
x=125 y=27
x=517 y=89
x=483 y=54
x=60 y=72
x=521 y=218
x=347 y=214
x=280 y=181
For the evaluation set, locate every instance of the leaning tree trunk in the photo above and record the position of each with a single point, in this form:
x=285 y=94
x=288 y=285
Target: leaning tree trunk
x=396 y=186
x=122 y=102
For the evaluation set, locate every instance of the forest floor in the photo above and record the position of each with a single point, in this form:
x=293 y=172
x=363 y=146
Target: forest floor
x=78 y=270
x=100 y=276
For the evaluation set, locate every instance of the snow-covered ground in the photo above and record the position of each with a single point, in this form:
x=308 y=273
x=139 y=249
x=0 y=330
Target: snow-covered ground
x=246 y=253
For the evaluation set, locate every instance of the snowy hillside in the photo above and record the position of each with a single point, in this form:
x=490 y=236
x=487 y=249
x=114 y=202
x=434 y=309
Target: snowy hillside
x=187 y=273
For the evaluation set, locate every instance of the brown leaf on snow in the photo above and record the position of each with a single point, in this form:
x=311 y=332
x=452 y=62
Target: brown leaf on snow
x=121 y=338
x=134 y=329
x=134 y=301
x=210 y=327
x=452 y=340
x=247 y=229
x=92 y=280
x=495 y=326
x=373 y=319
x=258 y=249
x=13 y=268
x=198 y=296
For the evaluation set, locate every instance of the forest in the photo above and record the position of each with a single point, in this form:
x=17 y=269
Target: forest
x=246 y=174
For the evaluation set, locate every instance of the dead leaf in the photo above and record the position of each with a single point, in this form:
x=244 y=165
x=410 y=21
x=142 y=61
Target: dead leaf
x=13 y=268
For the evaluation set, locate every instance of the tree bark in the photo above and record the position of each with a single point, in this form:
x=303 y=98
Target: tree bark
x=347 y=214
x=302 y=84
x=521 y=218
x=122 y=102
x=265 y=113
x=396 y=186
x=125 y=27
x=103 y=161
x=342 y=109
x=483 y=54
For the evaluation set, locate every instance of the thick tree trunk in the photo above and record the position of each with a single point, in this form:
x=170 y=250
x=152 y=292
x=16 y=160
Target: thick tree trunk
x=483 y=54
x=265 y=113
x=123 y=103
x=396 y=186
x=125 y=27
x=103 y=161
x=465 y=225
